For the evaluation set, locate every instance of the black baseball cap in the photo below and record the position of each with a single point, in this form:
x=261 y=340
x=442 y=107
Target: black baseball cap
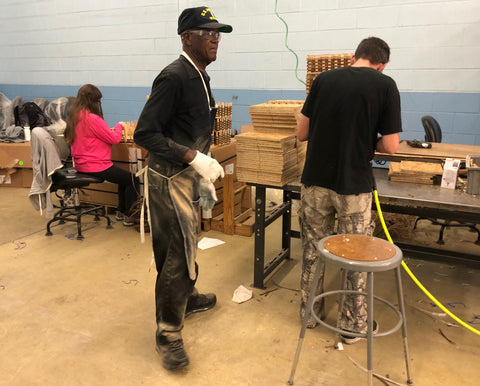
x=200 y=17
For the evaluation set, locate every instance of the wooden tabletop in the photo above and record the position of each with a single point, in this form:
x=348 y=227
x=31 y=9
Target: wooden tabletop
x=438 y=152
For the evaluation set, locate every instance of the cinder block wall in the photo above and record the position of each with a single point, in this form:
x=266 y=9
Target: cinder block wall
x=49 y=48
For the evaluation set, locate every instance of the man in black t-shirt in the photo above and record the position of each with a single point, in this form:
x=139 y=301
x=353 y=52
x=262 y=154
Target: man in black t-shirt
x=345 y=111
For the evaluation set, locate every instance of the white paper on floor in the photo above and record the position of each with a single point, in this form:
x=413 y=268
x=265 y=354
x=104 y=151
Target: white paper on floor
x=241 y=294
x=207 y=242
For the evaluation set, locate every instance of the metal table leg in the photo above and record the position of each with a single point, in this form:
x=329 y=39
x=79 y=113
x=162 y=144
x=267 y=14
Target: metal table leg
x=259 y=253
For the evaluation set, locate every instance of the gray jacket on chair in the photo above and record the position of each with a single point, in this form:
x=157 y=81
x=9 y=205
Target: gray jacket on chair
x=46 y=160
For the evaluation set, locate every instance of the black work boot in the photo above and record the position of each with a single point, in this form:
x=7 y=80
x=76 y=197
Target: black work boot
x=200 y=302
x=174 y=355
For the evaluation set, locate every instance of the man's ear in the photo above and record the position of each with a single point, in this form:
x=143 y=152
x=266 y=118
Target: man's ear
x=352 y=59
x=381 y=67
x=186 y=39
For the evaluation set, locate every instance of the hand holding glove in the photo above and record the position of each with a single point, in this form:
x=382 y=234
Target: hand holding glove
x=207 y=167
x=208 y=195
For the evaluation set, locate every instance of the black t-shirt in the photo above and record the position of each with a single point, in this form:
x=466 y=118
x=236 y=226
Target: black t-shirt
x=347 y=107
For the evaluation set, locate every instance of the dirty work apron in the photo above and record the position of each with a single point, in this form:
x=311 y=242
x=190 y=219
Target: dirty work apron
x=182 y=190
x=182 y=187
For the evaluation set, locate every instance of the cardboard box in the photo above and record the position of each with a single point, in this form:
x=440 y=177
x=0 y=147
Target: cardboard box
x=122 y=151
x=16 y=178
x=18 y=152
x=226 y=155
x=224 y=152
x=27 y=177
x=6 y=176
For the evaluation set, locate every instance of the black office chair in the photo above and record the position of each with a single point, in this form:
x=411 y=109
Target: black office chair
x=433 y=133
x=66 y=185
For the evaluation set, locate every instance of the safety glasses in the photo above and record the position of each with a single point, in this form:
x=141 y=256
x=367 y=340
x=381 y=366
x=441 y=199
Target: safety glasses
x=207 y=34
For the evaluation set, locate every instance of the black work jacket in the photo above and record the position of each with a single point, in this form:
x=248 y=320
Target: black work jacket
x=176 y=116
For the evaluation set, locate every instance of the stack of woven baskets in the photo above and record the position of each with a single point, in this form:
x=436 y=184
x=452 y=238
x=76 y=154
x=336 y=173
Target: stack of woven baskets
x=222 y=127
x=320 y=63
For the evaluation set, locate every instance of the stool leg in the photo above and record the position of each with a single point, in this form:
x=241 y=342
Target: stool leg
x=370 y=327
x=401 y=305
x=308 y=311
x=341 y=302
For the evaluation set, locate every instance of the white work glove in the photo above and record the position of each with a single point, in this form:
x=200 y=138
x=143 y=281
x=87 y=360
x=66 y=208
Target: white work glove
x=207 y=167
x=208 y=197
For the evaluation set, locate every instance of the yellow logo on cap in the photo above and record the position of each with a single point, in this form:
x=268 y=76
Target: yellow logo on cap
x=207 y=10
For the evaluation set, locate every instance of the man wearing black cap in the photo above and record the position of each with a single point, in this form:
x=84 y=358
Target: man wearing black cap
x=175 y=126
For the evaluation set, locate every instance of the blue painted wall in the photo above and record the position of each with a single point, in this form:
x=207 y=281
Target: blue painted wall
x=457 y=113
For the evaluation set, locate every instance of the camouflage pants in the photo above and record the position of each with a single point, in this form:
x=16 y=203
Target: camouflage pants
x=319 y=209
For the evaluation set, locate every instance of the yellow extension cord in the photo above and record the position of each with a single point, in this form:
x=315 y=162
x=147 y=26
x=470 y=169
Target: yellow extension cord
x=404 y=265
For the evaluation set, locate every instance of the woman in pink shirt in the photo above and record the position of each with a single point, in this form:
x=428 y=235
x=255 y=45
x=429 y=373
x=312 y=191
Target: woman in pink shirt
x=91 y=145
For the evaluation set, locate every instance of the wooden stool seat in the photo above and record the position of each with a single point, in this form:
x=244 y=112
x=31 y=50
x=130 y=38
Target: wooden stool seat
x=360 y=247
x=358 y=253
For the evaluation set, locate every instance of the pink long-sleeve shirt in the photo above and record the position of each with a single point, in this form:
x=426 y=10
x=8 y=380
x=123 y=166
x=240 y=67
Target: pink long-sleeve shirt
x=92 y=147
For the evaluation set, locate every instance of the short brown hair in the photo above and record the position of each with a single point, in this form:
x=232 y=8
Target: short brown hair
x=373 y=49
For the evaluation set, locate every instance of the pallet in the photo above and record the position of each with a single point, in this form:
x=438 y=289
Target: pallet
x=237 y=217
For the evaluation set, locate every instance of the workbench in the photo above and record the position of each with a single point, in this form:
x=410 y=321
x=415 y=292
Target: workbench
x=395 y=197
x=437 y=153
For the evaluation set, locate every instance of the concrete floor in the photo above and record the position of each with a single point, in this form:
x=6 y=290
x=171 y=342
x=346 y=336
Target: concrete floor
x=82 y=313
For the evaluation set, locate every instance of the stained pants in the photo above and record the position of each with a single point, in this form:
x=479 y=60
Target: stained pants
x=319 y=207
x=173 y=205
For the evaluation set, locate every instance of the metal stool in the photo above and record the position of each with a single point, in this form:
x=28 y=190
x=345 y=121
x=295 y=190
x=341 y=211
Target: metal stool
x=362 y=254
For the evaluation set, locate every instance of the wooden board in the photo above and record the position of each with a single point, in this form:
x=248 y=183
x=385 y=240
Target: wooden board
x=243 y=224
x=274 y=140
x=275 y=116
x=235 y=208
x=414 y=172
x=269 y=158
x=440 y=151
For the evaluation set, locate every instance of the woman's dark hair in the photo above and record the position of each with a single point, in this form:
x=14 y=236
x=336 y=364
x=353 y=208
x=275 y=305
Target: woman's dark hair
x=88 y=98
x=373 y=49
